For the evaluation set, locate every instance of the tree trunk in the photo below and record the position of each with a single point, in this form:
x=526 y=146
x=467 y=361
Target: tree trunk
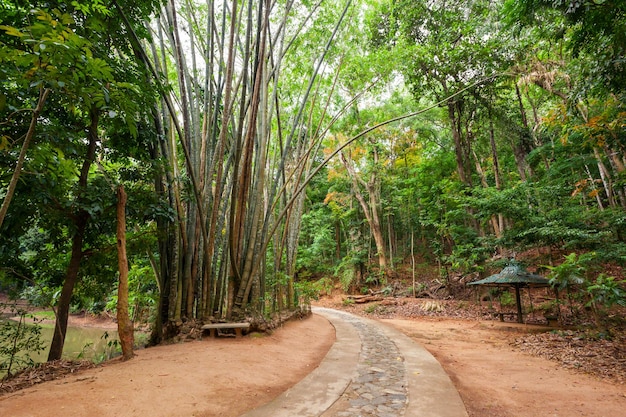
x=80 y=220
x=458 y=146
x=520 y=150
x=337 y=240
x=496 y=170
x=369 y=210
x=617 y=165
x=390 y=238
x=125 y=328
x=71 y=276
x=377 y=230
x=20 y=160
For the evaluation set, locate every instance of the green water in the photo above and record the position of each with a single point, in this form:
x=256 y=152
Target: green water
x=80 y=343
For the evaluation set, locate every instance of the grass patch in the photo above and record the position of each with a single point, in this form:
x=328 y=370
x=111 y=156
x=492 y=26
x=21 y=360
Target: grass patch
x=43 y=315
x=370 y=309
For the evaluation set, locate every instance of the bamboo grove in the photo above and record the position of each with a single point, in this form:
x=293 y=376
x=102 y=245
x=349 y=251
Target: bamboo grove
x=245 y=151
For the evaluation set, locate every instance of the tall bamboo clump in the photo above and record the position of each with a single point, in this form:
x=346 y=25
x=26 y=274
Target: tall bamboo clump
x=233 y=151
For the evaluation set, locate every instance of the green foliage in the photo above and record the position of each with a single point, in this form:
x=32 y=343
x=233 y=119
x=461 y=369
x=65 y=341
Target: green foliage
x=376 y=278
x=346 y=271
x=112 y=350
x=375 y=308
x=316 y=245
x=142 y=295
x=313 y=290
x=468 y=257
x=324 y=286
x=79 y=52
x=507 y=299
x=571 y=272
x=306 y=291
x=346 y=277
x=18 y=341
x=40 y=296
x=50 y=53
x=606 y=291
x=545 y=214
x=445 y=38
x=595 y=34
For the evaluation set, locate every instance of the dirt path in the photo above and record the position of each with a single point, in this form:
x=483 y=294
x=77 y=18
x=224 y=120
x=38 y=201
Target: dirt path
x=226 y=377
x=213 y=377
x=495 y=380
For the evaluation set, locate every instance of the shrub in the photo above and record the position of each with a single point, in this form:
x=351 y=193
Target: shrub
x=18 y=341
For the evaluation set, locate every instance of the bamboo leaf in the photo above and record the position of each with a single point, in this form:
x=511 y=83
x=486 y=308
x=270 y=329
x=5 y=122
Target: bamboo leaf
x=11 y=31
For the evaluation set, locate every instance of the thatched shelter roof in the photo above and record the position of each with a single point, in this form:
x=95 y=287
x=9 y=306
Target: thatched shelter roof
x=513 y=276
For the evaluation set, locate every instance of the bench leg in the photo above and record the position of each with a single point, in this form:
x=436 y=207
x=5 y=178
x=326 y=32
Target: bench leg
x=238 y=332
x=212 y=333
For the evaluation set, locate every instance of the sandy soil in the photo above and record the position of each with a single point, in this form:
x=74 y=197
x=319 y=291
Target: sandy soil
x=225 y=376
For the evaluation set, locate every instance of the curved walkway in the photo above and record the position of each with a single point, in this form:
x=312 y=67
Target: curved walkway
x=371 y=370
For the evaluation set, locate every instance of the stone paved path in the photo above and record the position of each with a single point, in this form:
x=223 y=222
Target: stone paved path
x=380 y=386
x=372 y=370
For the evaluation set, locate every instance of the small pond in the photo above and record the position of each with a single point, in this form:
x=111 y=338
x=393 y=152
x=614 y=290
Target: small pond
x=80 y=343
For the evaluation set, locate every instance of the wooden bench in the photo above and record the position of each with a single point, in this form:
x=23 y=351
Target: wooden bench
x=213 y=327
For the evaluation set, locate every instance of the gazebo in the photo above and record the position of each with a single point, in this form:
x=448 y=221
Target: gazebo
x=513 y=275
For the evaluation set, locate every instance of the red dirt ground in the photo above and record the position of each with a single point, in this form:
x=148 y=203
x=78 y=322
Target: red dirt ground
x=211 y=377
x=495 y=380
x=226 y=376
